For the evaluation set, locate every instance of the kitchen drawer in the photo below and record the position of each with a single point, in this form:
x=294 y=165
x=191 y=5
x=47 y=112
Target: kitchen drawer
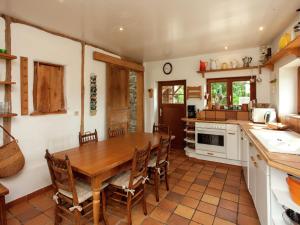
x=232 y=127
x=213 y=154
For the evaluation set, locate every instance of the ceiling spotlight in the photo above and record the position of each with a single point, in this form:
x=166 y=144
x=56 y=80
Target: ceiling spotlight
x=121 y=28
x=226 y=47
x=61 y=1
x=261 y=28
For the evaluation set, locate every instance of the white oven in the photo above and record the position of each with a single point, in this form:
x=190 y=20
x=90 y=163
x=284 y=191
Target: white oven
x=210 y=137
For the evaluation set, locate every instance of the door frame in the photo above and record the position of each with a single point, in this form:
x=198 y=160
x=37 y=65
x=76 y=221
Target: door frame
x=164 y=83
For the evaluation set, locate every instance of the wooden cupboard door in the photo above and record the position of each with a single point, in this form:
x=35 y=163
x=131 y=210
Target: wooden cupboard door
x=117 y=97
x=42 y=88
x=56 y=89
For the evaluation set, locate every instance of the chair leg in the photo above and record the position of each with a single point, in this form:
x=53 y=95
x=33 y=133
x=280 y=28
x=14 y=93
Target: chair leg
x=103 y=198
x=77 y=217
x=129 y=202
x=156 y=185
x=144 y=201
x=57 y=219
x=166 y=177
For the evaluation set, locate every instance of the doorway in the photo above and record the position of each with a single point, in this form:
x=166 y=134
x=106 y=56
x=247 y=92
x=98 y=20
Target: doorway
x=172 y=107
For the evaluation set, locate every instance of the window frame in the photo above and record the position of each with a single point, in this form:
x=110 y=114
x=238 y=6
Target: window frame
x=229 y=82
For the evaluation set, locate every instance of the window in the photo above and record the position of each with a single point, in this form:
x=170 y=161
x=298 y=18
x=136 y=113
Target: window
x=48 y=89
x=172 y=94
x=231 y=91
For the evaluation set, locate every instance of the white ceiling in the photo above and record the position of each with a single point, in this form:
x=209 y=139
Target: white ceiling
x=160 y=29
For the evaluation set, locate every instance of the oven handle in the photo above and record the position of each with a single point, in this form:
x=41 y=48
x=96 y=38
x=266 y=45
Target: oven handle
x=211 y=131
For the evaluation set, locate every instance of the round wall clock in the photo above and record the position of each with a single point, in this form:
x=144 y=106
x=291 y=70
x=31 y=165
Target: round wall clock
x=167 y=68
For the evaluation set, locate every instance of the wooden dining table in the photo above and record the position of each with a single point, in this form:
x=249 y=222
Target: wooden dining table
x=105 y=159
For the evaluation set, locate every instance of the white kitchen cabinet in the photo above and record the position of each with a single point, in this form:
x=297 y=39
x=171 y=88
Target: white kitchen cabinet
x=244 y=151
x=259 y=184
x=252 y=171
x=233 y=142
x=262 y=201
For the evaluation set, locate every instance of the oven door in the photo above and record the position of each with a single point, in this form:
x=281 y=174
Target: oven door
x=210 y=140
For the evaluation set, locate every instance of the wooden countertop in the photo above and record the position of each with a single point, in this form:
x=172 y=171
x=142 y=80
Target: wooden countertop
x=286 y=162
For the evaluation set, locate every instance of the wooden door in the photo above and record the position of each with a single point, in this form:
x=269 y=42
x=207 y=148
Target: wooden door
x=117 y=98
x=172 y=107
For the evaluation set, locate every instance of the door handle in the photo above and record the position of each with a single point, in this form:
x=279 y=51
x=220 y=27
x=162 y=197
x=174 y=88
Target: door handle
x=231 y=133
x=209 y=153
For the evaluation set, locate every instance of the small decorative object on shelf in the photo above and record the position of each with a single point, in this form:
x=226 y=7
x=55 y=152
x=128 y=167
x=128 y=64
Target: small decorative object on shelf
x=2 y=50
x=214 y=64
x=5 y=108
x=284 y=40
x=247 y=61
x=297 y=26
x=93 y=94
x=203 y=66
x=265 y=54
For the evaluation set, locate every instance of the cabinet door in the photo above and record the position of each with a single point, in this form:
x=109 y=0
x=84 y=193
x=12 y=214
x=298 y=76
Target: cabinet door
x=232 y=145
x=262 y=202
x=252 y=171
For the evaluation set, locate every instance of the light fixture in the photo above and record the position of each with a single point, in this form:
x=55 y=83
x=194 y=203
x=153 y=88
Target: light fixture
x=226 y=47
x=61 y=1
x=261 y=28
x=121 y=28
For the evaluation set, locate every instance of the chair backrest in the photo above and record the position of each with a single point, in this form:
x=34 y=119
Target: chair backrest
x=139 y=164
x=115 y=132
x=161 y=128
x=163 y=150
x=88 y=137
x=61 y=175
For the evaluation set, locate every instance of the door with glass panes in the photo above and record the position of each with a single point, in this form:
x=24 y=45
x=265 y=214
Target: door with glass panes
x=172 y=107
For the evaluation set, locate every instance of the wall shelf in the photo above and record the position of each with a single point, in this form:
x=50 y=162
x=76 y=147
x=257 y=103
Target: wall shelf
x=7 y=115
x=7 y=56
x=225 y=70
x=7 y=82
x=293 y=48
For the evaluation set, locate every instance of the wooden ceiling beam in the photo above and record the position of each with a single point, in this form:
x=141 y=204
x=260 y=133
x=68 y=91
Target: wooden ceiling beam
x=116 y=61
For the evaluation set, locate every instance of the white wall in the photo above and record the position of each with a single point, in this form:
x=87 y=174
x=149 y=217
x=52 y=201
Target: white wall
x=53 y=132
x=288 y=90
x=185 y=69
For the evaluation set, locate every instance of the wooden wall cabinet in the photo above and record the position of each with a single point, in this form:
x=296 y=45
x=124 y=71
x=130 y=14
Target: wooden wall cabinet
x=48 y=89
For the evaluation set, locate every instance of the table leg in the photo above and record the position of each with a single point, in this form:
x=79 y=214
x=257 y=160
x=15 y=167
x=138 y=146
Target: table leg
x=96 y=184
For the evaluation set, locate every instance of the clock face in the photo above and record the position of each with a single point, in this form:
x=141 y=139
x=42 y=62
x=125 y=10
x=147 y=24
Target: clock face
x=167 y=68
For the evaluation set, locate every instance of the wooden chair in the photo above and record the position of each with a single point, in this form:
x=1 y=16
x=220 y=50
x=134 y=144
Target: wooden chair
x=128 y=188
x=116 y=132
x=161 y=128
x=88 y=137
x=158 y=166
x=74 y=199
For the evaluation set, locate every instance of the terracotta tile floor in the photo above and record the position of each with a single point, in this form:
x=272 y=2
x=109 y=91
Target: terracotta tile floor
x=200 y=193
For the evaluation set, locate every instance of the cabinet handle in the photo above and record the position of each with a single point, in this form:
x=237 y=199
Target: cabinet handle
x=255 y=164
x=242 y=138
x=210 y=153
x=252 y=159
x=250 y=144
x=259 y=157
x=231 y=133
